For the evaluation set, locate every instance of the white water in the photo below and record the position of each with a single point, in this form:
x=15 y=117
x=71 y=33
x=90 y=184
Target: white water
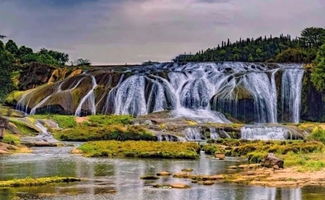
x=90 y=97
x=195 y=91
x=291 y=92
x=262 y=132
x=192 y=134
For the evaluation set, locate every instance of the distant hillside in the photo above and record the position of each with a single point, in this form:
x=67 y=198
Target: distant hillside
x=263 y=49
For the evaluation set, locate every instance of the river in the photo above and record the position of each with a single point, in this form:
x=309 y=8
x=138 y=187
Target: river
x=118 y=179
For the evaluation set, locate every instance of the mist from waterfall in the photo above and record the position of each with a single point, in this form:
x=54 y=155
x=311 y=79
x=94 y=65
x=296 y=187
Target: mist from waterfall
x=199 y=91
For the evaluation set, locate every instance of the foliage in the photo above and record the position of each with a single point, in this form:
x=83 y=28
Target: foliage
x=263 y=49
x=82 y=62
x=37 y=181
x=318 y=73
x=318 y=134
x=11 y=47
x=313 y=37
x=6 y=60
x=112 y=132
x=141 y=149
x=11 y=139
x=294 y=55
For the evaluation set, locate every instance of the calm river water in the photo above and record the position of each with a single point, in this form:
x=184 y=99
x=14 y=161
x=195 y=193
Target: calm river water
x=118 y=179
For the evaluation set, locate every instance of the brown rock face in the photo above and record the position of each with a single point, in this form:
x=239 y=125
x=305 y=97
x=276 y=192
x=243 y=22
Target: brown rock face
x=270 y=161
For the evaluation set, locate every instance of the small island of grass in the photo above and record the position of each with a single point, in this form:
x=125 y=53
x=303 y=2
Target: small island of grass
x=141 y=149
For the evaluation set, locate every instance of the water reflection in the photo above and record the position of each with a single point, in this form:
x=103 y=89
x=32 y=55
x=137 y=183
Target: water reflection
x=120 y=179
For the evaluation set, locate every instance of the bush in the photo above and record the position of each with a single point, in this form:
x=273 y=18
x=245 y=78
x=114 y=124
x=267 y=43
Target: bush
x=141 y=149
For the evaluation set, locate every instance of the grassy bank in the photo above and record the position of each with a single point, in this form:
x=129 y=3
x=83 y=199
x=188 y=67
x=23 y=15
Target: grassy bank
x=141 y=149
x=113 y=132
x=306 y=155
x=37 y=181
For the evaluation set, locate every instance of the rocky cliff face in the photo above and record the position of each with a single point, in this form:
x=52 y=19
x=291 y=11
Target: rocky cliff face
x=35 y=74
x=248 y=92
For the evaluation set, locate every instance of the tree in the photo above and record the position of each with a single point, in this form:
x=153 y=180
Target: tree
x=6 y=60
x=83 y=62
x=318 y=73
x=60 y=57
x=24 y=51
x=11 y=47
x=313 y=37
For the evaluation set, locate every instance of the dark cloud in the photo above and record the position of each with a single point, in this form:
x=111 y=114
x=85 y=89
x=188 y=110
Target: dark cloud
x=120 y=31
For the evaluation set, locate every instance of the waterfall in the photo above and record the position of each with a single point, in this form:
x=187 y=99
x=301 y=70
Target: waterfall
x=264 y=132
x=213 y=134
x=204 y=92
x=193 y=134
x=90 y=97
x=291 y=93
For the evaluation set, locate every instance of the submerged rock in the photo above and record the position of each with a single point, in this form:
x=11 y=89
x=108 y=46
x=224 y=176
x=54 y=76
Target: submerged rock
x=163 y=173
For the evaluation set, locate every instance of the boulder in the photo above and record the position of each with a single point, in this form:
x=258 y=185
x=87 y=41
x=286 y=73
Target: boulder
x=271 y=161
x=220 y=156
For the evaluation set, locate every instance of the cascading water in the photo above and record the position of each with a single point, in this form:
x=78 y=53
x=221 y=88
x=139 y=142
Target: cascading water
x=90 y=97
x=291 y=93
x=264 y=132
x=200 y=91
x=192 y=134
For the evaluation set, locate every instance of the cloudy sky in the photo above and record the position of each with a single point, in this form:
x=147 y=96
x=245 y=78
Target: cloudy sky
x=132 y=31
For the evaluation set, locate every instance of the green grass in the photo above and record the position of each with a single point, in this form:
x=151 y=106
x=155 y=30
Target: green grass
x=104 y=120
x=112 y=132
x=305 y=155
x=212 y=149
x=37 y=181
x=318 y=134
x=141 y=149
x=64 y=121
x=12 y=139
x=25 y=128
x=305 y=162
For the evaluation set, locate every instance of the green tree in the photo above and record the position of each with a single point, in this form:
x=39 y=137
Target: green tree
x=82 y=62
x=6 y=60
x=318 y=73
x=313 y=36
x=23 y=50
x=12 y=47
